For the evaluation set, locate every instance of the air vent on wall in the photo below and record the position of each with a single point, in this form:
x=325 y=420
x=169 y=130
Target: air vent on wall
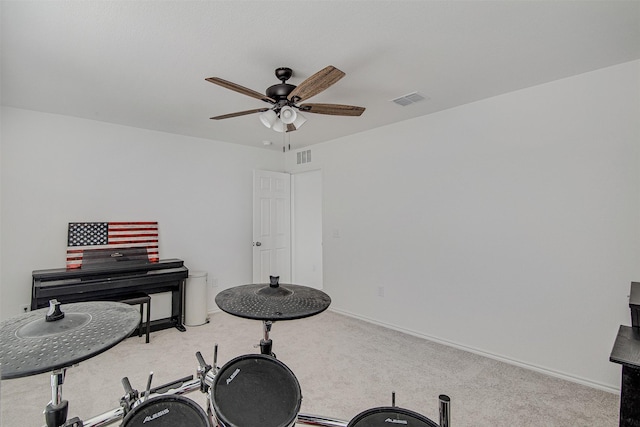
x=304 y=157
x=409 y=99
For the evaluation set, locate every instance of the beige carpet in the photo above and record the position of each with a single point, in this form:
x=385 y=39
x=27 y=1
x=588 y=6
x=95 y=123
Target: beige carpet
x=344 y=366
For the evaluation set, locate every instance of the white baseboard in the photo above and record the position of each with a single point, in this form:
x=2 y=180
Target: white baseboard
x=556 y=374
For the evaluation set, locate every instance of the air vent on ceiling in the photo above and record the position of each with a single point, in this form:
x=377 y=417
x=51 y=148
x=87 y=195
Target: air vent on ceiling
x=409 y=99
x=304 y=157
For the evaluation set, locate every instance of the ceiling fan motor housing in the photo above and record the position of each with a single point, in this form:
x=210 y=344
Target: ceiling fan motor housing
x=282 y=90
x=279 y=91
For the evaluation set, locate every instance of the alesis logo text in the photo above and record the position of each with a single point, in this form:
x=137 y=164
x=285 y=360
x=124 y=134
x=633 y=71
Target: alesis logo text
x=232 y=376
x=395 y=421
x=156 y=415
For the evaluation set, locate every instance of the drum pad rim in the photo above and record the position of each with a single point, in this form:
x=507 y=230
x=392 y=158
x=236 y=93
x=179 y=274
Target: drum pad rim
x=270 y=359
x=171 y=397
x=394 y=409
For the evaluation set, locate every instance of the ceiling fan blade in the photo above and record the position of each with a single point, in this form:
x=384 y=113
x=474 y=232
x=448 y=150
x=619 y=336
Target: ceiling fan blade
x=316 y=84
x=332 y=109
x=240 y=89
x=239 y=113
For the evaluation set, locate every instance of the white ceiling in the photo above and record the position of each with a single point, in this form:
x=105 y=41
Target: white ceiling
x=144 y=63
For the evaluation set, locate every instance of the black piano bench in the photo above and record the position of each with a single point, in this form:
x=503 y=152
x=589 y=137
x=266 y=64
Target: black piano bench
x=142 y=299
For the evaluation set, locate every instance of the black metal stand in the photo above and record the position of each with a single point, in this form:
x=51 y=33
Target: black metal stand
x=266 y=344
x=626 y=351
x=55 y=414
x=630 y=397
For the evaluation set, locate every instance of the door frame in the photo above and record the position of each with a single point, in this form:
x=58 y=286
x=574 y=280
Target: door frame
x=293 y=249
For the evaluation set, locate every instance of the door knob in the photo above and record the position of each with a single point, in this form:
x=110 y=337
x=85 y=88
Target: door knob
x=258 y=244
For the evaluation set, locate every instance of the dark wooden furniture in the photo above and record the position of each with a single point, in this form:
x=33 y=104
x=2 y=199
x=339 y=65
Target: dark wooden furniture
x=140 y=298
x=634 y=304
x=626 y=351
x=114 y=282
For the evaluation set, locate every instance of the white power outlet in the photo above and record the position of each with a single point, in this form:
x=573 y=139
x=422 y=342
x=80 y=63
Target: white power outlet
x=381 y=291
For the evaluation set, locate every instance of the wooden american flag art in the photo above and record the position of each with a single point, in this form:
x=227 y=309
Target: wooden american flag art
x=99 y=236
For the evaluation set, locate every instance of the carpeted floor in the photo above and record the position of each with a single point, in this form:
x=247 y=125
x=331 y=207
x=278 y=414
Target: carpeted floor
x=343 y=365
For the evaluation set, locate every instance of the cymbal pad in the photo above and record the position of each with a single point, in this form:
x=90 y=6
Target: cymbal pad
x=31 y=345
x=262 y=301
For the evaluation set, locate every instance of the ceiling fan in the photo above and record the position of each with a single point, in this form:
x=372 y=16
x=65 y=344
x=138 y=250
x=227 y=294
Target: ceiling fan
x=284 y=98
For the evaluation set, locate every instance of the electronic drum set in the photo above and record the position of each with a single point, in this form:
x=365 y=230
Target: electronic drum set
x=252 y=390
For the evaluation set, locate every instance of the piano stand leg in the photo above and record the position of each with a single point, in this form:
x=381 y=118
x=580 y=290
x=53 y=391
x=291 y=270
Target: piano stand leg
x=177 y=306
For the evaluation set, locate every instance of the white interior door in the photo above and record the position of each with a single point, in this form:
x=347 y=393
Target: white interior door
x=271 y=226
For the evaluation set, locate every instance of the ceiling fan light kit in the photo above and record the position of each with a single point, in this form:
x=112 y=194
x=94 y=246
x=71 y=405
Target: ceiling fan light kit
x=278 y=126
x=287 y=115
x=282 y=116
x=268 y=118
x=299 y=121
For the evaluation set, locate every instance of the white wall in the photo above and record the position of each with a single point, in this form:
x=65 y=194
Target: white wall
x=509 y=226
x=306 y=201
x=59 y=169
